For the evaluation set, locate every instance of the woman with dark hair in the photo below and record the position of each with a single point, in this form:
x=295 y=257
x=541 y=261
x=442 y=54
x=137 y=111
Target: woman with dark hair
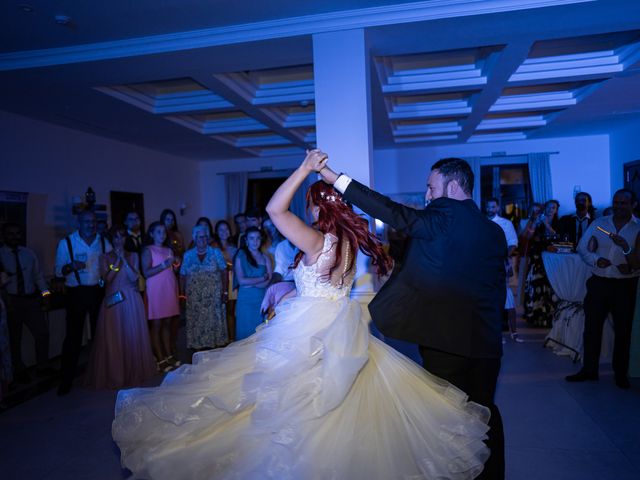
x=539 y=298
x=223 y=239
x=174 y=237
x=312 y=394
x=253 y=271
x=158 y=265
x=121 y=355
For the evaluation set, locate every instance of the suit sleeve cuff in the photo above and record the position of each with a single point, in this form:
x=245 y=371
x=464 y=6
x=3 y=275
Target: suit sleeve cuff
x=342 y=183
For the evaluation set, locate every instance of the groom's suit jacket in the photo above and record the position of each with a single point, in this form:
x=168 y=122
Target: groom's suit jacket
x=450 y=292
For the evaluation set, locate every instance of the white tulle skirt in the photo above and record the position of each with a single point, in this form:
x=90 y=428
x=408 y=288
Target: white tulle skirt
x=310 y=396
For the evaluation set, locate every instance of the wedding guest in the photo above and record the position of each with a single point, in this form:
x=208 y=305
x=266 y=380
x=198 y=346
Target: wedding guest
x=6 y=369
x=102 y=227
x=134 y=241
x=224 y=241
x=176 y=243
x=26 y=291
x=524 y=240
x=121 y=355
x=610 y=247
x=534 y=211
x=240 y=222
x=539 y=298
x=272 y=238
x=253 y=218
x=492 y=208
x=174 y=237
x=252 y=269
x=204 y=283
x=78 y=261
x=205 y=222
x=158 y=262
x=573 y=226
x=607 y=211
x=285 y=255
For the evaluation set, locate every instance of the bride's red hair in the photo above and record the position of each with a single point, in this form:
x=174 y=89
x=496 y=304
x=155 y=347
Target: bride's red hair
x=337 y=217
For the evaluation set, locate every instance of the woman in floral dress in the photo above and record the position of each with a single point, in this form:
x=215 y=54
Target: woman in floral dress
x=204 y=283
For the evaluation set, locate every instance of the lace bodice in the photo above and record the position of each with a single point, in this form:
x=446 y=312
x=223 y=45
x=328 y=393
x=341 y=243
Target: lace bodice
x=311 y=280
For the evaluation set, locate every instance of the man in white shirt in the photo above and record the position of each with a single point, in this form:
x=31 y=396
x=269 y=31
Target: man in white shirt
x=26 y=290
x=284 y=257
x=78 y=261
x=610 y=247
x=492 y=208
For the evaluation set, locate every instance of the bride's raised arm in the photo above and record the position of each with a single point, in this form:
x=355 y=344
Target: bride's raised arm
x=307 y=239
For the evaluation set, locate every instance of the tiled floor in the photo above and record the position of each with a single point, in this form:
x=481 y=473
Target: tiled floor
x=554 y=430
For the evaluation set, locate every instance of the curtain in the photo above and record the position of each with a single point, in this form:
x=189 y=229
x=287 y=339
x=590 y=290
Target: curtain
x=236 y=190
x=540 y=176
x=299 y=202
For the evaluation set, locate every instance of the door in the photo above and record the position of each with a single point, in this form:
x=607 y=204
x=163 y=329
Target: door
x=125 y=202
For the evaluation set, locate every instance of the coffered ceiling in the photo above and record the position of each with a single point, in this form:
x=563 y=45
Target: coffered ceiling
x=208 y=80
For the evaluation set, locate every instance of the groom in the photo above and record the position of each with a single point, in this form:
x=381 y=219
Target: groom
x=449 y=295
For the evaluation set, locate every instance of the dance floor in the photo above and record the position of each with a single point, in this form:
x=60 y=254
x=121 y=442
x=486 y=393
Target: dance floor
x=553 y=430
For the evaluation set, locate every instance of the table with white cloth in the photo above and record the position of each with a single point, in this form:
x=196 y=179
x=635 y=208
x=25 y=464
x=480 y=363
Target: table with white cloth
x=568 y=275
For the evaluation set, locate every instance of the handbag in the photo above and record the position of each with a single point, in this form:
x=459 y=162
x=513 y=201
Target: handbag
x=114 y=299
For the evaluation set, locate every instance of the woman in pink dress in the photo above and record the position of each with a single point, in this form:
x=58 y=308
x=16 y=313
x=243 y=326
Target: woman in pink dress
x=121 y=356
x=158 y=262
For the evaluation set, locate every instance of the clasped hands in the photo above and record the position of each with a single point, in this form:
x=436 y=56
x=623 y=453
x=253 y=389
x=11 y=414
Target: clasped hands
x=315 y=160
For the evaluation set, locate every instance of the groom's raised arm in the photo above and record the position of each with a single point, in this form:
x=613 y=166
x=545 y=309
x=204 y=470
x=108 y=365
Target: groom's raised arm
x=414 y=222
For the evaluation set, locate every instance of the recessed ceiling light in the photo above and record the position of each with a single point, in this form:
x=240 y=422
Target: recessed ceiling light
x=25 y=7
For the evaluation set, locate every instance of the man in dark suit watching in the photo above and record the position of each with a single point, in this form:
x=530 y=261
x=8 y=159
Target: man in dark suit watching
x=573 y=226
x=449 y=293
x=133 y=242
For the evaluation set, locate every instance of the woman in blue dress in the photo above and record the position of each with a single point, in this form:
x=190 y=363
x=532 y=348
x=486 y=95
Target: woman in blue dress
x=253 y=271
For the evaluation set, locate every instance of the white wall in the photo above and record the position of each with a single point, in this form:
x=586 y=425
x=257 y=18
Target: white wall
x=625 y=148
x=54 y=163
x=580 y=161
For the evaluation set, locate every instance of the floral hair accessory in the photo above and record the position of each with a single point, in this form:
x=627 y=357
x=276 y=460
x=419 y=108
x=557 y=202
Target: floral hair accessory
x=330 y=198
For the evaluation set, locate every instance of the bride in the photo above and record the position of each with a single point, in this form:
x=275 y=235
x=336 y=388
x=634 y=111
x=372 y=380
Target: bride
x=312 y=395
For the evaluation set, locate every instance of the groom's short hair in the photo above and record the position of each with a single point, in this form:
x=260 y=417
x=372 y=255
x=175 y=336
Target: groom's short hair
x=458 y=170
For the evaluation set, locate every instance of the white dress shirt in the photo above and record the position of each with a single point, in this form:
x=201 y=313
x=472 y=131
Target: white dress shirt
x=89 y=254
x=606 y=248
x=33 y=277
x=342 y=183
x=284 y=256
x=508 y=229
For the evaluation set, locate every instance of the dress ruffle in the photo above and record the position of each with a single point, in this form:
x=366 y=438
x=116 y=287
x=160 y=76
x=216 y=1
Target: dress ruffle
x=312 y=395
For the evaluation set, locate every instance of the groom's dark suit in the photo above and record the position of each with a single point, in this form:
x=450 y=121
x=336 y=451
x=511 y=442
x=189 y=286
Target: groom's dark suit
x=448 y=297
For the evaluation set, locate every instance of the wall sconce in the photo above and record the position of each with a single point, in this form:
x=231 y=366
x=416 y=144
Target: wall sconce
x=183 y=208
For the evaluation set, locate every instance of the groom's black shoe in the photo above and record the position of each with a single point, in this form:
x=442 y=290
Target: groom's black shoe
x=622 y=382
x=581 y=376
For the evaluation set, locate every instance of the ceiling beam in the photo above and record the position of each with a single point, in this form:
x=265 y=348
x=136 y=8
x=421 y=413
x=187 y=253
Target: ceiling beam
x=220 y=85
x=266 y=30
x=511 y=57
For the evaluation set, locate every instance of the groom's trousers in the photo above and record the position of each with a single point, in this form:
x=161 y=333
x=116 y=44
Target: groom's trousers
x=477 y=377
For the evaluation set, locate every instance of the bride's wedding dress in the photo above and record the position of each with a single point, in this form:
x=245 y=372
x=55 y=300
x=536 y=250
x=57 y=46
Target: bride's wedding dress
x=310 y=396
